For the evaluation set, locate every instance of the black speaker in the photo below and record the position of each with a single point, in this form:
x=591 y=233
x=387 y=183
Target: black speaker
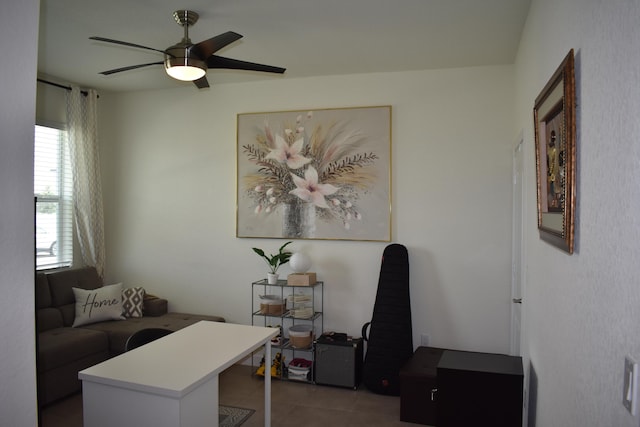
x=338 y=361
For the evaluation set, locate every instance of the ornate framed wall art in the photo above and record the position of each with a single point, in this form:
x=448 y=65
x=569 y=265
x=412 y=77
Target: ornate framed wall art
x=554 y=116
x=319 y=174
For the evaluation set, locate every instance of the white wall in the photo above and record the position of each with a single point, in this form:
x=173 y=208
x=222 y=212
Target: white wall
x=582 y=311
x=18 y=41
x=51 y=104
x=169 y=165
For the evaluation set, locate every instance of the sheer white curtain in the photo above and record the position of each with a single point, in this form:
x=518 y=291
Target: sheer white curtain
x=82 y=121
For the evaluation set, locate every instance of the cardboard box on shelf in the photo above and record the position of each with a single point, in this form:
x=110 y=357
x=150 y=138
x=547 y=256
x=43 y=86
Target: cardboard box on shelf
x=301 y=279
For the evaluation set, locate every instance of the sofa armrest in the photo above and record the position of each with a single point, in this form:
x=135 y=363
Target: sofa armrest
x=154 y=306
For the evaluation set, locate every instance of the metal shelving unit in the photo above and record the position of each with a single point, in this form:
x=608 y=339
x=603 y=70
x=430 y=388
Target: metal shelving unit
x=292 y=314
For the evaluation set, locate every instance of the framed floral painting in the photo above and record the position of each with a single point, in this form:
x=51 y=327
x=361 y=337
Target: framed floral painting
x=319 y=174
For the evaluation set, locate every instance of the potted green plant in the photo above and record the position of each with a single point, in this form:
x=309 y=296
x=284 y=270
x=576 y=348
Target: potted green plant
x=274 y=261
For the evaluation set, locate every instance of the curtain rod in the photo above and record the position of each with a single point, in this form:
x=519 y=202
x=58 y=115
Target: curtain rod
x=84 y=92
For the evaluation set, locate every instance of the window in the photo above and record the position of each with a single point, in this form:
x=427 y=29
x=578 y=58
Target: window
x=53 y=194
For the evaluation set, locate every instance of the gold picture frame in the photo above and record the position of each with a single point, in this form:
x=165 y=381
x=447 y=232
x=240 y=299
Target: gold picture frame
x=315 y=174
x=554 y=116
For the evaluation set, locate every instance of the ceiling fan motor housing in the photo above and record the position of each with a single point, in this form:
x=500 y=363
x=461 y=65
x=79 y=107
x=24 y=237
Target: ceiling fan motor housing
x=179 y=61
x=180 y=55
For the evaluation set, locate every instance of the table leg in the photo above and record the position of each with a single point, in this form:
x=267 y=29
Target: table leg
x=267 y=383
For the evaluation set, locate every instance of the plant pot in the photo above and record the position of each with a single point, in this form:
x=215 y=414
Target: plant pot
x=272 y=278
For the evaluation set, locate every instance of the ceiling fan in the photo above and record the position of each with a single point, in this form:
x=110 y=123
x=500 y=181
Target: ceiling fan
x=189 y=62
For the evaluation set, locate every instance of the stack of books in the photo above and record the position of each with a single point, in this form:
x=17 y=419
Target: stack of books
x=300 y=306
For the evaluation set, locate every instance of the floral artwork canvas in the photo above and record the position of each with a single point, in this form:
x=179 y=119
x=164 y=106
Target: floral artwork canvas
x=315 y=174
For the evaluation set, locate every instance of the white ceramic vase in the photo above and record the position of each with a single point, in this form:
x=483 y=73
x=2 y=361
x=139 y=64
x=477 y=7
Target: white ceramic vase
x=272 y=278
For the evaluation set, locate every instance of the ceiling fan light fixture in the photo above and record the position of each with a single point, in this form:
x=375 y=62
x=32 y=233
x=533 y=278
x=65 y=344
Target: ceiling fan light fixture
x=185 y=69
x=186 y=73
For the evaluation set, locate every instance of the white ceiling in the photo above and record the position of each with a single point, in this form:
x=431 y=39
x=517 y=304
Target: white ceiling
x=308 y=38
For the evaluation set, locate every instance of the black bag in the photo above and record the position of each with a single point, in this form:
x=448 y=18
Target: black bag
x=390 y=338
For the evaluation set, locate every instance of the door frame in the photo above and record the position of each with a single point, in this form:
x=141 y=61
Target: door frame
x=517 y=245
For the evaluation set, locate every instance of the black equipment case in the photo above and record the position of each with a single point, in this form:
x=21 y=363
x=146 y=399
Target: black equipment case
x=390 y=339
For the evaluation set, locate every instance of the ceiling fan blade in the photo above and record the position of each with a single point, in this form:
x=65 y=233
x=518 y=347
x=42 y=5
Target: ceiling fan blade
x=102 y=39
x=130 y=67
x=202 y=82
x=206 y=48
x=235 y=64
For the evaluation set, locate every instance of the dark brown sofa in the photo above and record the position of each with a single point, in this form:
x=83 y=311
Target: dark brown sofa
x=63 y=350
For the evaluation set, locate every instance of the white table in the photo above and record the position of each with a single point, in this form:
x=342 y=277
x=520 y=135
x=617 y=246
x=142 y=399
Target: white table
x=172 y=381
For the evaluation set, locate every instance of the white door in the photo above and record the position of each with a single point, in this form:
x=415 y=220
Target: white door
x=516 y=252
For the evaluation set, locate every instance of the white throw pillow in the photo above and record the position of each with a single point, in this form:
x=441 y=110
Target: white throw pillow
x=97 y=305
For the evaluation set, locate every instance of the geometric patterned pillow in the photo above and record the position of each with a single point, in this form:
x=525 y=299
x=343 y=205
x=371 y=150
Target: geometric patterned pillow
x=132 y=299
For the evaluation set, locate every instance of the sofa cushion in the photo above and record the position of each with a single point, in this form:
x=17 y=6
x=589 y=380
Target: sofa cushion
x=48 y=318
x=61 y=284
x=97 y=305
x=132 y=302
x=154 y=306
x=43 y=295
x=182 y=320
x=120 y=331
x=61 y=346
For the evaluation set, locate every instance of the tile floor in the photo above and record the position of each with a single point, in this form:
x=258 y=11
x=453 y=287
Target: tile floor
x=293 y=404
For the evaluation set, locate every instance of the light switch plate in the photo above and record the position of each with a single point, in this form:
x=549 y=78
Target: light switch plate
x=630 y=386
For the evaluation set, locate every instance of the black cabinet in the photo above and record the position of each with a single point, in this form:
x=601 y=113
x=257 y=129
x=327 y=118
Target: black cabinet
x=479 y=389
x=418 y=385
